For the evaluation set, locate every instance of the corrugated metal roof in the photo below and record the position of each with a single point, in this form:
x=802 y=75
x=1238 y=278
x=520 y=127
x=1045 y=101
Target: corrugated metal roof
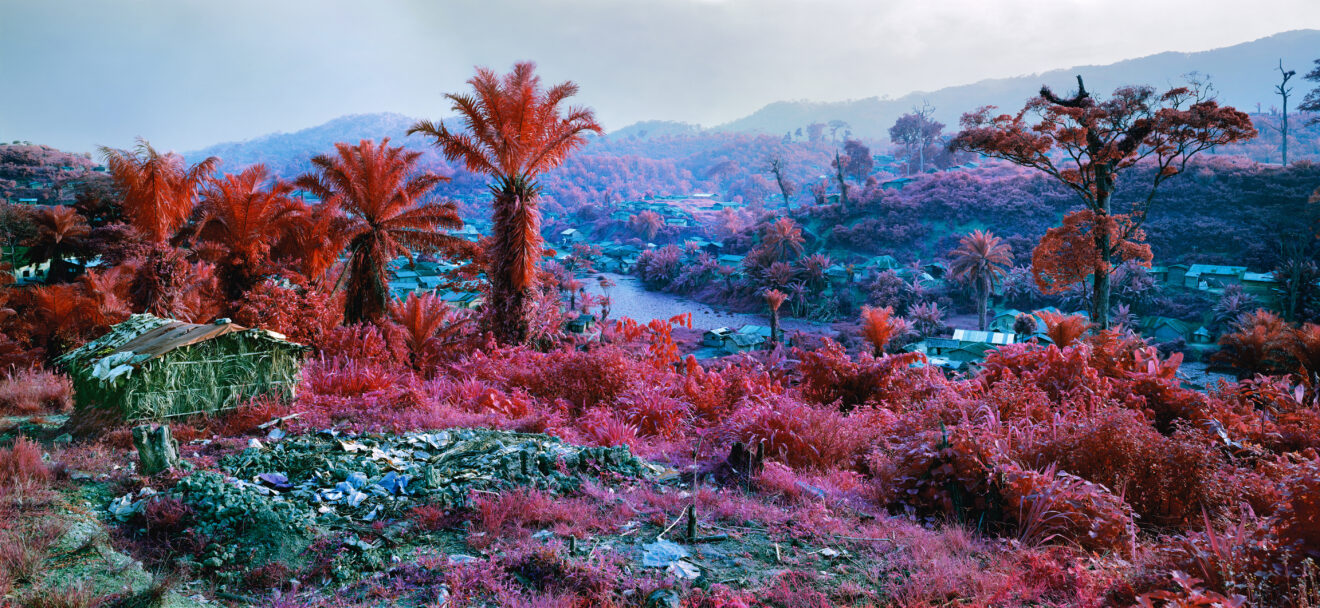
x=174 y=334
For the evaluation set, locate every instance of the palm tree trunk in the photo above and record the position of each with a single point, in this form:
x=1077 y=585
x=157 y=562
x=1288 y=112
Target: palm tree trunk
x=984 y=299
x=514 y=256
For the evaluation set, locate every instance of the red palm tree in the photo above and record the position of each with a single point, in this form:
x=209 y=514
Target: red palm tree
x=159 y=189
x=981 y=260
x=1063 y=330
x=386 y=216
x=242 y=222
x=783 y=240
x=514 y=131
x=58 y=233
x=425 y=320
x=880 y=326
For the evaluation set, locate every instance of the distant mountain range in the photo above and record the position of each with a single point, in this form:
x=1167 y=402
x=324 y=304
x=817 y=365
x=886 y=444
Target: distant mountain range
x=287 y=153
x=1243 y=74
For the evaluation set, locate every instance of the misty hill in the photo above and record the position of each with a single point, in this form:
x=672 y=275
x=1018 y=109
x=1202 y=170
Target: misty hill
x=1244 y=75
x=286 y=154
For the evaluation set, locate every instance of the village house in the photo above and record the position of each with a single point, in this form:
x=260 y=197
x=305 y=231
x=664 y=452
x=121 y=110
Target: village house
x=1165 y=329
x=571 y=236
x=1210 y=276
x=465 y=300
x=1263 y=285
x=583 y=324
x=739 y=342
x=715 y=337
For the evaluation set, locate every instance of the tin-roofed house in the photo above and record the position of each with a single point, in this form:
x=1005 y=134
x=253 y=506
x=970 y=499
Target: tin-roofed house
x=1210 y=276
x=149 y=367
x=1164 y=329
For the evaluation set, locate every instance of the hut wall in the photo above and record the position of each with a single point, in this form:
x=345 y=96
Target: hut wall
x=204 y=378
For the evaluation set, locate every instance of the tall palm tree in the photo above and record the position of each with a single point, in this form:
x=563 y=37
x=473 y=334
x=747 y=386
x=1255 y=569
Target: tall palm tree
x=981 y=260
x=242 y=221
x=58 y=233
x=159 y=189
x=514 y=131
x=387 y=215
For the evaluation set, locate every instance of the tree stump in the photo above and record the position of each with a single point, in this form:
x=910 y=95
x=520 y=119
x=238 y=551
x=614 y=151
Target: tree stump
x=157 y=450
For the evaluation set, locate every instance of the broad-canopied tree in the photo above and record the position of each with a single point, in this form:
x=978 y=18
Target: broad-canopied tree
x=159 y=190
x=514 y=130
x=916 y=131
x=388 y=215
x=981 y=260
x=1087 y=143
x=240 y=221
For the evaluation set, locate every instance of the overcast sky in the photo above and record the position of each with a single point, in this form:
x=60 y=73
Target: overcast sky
x=190 y=73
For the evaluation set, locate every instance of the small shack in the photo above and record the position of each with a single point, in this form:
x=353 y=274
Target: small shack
x=149 y=367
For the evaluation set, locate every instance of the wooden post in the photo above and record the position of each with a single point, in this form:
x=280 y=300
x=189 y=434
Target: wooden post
x=692 y=523
x=157 y=450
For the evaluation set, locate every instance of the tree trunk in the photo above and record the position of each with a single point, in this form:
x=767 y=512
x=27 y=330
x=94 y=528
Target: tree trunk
x=984 y=299
x=774 y=329
x=1103 y=245
x=517 y=245
x=157 y=450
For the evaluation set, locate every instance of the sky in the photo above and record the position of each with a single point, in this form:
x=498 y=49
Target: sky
x=185 y=74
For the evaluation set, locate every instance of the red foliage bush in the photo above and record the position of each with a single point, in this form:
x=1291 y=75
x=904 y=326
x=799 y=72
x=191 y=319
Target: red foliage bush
x=1166 y=479
x=938 y=472
x=1053 y=505
x=21 y=465
x=602 y=426
x=362 y=341
x=32 y=391
x=654 y=412
x=585 y=380
x=1297 y=520
x=830 y=376
x=797 y=434
x=303 y=314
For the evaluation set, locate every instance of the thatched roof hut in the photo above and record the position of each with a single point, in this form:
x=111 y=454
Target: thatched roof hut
x=149 y=367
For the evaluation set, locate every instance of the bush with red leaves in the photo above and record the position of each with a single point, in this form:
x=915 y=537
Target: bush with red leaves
x=945 y=472
x=1052 y=505
x=1166 y=479
x=797 y=434
x=1297 y=520
x=303 y=314
x=654 y=412
x=21 y=465
x=33 y=391
x=830 y=376
x=362 y=341
x=584 y=379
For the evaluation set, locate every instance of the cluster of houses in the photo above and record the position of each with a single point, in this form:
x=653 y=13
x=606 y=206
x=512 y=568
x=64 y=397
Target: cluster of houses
x=672 y=214
x=435 y=276
x=1214 y=278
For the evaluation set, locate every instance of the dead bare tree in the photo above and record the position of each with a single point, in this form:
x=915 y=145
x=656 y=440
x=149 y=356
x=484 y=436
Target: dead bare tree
x=786 y=187
x=1283 y=90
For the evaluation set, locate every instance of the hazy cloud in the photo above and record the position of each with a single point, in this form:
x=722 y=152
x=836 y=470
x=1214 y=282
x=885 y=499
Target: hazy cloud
x=187 y=73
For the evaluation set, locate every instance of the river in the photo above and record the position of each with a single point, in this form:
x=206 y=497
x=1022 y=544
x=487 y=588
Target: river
x=629 y=298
